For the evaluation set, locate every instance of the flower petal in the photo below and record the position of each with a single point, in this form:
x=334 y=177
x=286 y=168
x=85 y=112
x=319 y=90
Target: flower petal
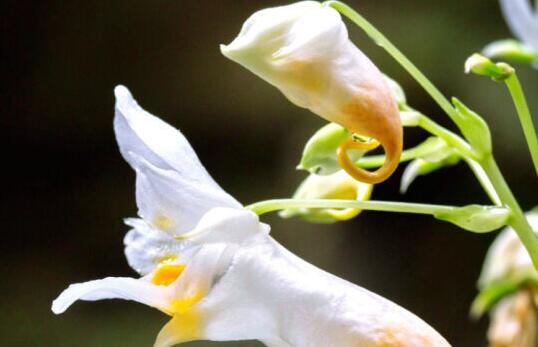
x=172 y=202
x=148 y=143
x=522 y=20
x=112 y=288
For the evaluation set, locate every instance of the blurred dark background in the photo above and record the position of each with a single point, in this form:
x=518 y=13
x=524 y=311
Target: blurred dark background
x=66 y=189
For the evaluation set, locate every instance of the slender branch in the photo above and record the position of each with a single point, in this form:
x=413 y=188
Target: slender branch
x=525 y=117
x=382 y=41
x=372 y=205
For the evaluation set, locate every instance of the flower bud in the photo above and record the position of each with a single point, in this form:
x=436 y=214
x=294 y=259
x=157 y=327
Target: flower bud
x=436 y=155
x=319 y=154
x=480 y=65
x=336 y=186
x=304 y=50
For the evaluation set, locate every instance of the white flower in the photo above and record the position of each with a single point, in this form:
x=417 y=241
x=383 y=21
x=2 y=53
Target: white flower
x=304 y=50
x=211 y=265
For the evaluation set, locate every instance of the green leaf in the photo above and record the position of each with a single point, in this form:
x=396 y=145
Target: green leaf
x=477 y=218
x=474 y=128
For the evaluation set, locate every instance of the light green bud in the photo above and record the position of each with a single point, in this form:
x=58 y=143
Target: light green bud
x=477 y=218
x=480 y=65
x=423 y=166
x=319 y=154
x=474 y=128
x=335 y=186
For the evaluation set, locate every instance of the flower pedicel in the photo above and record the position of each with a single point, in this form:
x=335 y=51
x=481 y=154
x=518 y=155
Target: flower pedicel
x=212 y=266
x=304 y=50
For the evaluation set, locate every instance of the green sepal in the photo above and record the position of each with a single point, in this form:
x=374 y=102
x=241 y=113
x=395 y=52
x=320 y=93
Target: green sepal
x=474 y=128
x=319 y=154
x=511 y=50
x=477 y=218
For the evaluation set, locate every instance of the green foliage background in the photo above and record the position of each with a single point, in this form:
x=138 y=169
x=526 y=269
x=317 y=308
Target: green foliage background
x=66 y=189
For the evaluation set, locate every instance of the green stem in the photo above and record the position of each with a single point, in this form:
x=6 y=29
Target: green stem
x=382 y=41
x=451 y=138
x=372 y=205
x=525 y=117
x=517 y=221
